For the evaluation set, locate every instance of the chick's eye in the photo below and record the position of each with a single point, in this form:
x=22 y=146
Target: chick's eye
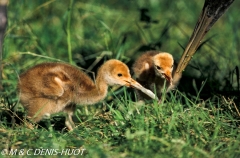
x=119 y=75
x=158 y=67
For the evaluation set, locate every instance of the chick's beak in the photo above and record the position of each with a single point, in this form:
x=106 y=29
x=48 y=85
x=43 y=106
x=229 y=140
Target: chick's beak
x=131 y=83
x=134 y=84
x=168 y=77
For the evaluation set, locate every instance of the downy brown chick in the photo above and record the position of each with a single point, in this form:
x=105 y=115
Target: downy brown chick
x=151 y=70
x=50 y=88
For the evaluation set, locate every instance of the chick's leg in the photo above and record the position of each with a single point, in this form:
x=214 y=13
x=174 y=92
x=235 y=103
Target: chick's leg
x=69 y=110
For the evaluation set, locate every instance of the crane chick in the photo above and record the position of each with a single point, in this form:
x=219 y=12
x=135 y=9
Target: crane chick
x=151 y=70
x=50 y=88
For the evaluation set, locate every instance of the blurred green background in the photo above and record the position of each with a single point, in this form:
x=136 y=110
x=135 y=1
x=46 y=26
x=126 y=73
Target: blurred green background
x=123 y=29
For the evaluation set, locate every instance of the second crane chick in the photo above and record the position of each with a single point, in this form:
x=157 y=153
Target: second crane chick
x=151 y=70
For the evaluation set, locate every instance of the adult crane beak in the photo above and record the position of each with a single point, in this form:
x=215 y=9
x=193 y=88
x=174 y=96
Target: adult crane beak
x=211 y=12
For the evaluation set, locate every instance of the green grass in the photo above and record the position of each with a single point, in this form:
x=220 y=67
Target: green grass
x=201 y=119
x=123 y=128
